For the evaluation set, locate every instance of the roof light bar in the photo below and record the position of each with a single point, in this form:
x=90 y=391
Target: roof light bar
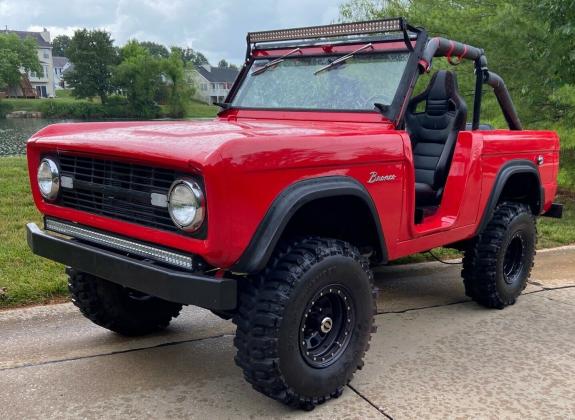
x=339 y=29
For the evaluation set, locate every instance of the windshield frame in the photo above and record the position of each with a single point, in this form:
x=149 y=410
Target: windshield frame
x=393 y=112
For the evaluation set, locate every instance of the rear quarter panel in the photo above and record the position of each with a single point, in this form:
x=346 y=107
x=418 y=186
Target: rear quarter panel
x=501 y=146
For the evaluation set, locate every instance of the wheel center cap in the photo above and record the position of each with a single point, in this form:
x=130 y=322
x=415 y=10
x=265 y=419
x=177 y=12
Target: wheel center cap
x=326 y=325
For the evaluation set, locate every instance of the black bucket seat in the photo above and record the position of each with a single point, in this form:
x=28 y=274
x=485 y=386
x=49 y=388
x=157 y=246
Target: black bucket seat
x=434 y=133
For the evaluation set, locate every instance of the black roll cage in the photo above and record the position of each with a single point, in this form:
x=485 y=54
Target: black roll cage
x=442 y=47
x=422 y=51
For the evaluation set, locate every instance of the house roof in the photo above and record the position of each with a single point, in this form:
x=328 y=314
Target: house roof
x=60 y=62
x=218 y=74
x=24 y=34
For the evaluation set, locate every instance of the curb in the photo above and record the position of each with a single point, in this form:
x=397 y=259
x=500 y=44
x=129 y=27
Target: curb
x=429 y=264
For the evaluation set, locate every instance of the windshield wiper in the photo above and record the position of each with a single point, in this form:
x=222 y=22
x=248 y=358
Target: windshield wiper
x=274 y=62
x=344 y=58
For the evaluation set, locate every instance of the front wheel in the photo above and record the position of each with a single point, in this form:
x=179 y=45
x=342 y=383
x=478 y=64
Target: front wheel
x=119 y=309
x=498 y=264
x=304 y=325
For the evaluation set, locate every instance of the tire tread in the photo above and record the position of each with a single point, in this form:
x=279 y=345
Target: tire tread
x=262 y=303
x=99 y=301
x=480 y=259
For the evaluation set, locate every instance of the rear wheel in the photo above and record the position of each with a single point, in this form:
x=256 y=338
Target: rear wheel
x=119 y=309
x=497 y=266
x=304 y=325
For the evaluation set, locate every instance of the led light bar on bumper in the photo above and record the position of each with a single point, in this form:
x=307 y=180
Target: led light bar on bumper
x=120 y=244
x=174 y=285
x=339 y=29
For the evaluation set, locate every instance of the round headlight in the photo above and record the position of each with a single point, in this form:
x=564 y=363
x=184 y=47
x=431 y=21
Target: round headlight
x=48 y=179
x=186 y=205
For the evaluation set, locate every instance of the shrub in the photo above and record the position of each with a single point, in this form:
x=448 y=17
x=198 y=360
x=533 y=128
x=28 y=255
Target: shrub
x=86 y=110
x=76 y=110
x=5 y=108
x=117 y=107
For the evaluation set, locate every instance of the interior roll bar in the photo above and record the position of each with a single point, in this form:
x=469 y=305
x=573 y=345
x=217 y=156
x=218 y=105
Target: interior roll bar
x=443 y=47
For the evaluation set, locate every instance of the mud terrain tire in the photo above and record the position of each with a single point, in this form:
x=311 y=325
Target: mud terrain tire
x=498 y=263
x=117 y=308
x=304 y=324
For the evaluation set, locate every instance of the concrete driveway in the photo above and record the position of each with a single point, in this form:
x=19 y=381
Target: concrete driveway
x=435 y=355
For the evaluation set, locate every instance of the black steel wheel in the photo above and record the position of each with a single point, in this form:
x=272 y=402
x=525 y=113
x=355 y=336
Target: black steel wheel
x=326 y=326
x=304 y=324
x=513 y=259
x=498 y=263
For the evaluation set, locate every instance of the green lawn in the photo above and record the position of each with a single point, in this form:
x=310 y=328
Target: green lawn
x=64 y=93
x=197 y=109
x=26 y=279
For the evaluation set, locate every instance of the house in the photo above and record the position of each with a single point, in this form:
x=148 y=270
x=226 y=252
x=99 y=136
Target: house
x=42 y=83
x=213 y=83
x=61 y=66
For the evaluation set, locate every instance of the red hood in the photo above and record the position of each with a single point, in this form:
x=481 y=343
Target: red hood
x=183 y=141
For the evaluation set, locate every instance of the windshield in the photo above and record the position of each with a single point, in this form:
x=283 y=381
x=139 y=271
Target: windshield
x=294 y=82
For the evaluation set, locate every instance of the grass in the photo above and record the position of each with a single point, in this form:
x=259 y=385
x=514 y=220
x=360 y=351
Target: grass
x=198 y=109
x=64 y=93
x=557 y=232
x=195 y=109
x=27 y=279
x=62 y=96
x=24 y=278
x=21 y=104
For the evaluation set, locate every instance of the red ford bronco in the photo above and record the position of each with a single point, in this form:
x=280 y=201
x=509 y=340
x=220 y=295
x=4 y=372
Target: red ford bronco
x=320 y=166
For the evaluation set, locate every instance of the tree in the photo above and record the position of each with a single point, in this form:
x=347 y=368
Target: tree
x=200 y=59
x=530 y=44
x=139 y=76
x=180 y=90
x=60 y=44
x=17 y=54
x=94 y=56
x=223 y=64
x=156 y=50
x=191 y=56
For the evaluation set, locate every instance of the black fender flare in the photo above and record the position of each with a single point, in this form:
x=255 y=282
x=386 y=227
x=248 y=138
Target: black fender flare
x=286 y=204
x=510 y=168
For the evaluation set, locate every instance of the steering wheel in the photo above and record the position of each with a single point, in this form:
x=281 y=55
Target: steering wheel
x=383 y=98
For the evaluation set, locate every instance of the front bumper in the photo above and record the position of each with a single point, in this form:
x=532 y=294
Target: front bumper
x=173 y=285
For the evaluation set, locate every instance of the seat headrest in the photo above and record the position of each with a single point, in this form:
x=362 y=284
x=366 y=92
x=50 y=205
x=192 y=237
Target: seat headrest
x=442 y=87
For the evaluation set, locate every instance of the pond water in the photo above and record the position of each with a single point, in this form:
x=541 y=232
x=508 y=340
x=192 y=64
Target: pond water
x=15 y=131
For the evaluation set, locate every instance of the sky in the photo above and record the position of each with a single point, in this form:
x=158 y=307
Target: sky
x=215 y=28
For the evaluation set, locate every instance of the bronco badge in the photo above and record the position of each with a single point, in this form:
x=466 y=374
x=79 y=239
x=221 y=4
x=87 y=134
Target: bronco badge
x=374 y=177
